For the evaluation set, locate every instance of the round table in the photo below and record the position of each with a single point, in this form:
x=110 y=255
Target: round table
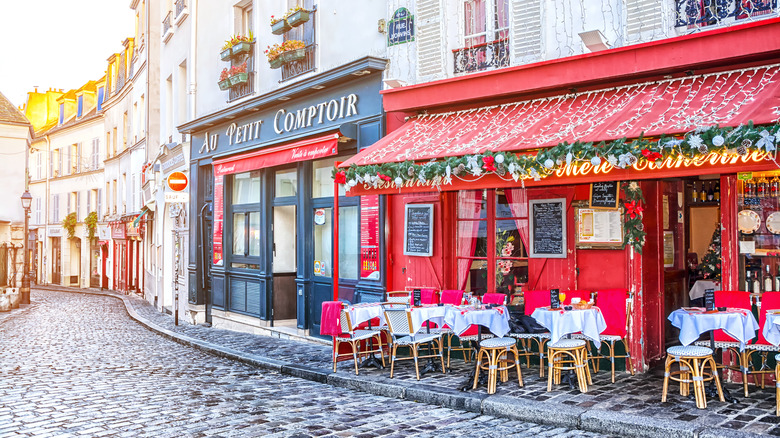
x=360 y=313
x=460 y=318
x=562 y=322
x=693 y=321
x=772 y=327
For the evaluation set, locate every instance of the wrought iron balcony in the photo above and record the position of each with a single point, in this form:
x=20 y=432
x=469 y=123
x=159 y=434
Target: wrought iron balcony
x=482 y=56
x=181 y=5
x=695 y=13
x=167 y=27
x=302 y=66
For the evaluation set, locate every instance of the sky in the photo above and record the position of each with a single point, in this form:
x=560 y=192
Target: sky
x=58 y=43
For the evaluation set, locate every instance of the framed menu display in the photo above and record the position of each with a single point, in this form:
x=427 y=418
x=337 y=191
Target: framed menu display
x=598 y=228
x=548 y=228
x=418 y=230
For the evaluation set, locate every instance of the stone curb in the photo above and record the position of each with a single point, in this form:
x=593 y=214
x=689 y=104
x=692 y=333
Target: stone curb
x=555 y=414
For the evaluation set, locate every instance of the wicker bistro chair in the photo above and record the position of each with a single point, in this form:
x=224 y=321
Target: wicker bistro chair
x=617 y=308
x=568 y=354
x=533 y=299
x=399 y=324
x=768 y=301
x=726 y=343
x=354 y=338
x=777 y=385
x=495 y=353
x=692 y=361
x=403 y=296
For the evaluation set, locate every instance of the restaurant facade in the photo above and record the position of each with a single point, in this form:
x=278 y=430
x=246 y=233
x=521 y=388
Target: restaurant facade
x=262 y=201
x=587 y=173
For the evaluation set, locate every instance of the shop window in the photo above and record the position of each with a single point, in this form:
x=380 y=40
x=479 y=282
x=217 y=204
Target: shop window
x=348 y=242
x=322 y=180
x=286 y=183
x=245 y=247
x=485 y=36
x=491 y=235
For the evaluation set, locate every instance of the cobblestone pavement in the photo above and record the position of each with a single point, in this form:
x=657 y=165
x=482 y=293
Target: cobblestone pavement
x=637 y=395
x=77 y=365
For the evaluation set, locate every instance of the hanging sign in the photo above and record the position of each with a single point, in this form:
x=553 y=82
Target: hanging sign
x=418 y=230
x=604 y=194
x=401 y=27
x=177 y=181
x=548 y=228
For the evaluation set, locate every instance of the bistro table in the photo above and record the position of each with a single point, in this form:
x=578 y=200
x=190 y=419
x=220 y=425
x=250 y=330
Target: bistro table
x=561 y=322
x=693 y=321
x=772 y=327
x=365 y=312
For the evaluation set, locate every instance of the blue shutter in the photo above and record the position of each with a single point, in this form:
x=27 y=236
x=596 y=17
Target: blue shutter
x=62 y=113
x=80 y=109
x=99 y=203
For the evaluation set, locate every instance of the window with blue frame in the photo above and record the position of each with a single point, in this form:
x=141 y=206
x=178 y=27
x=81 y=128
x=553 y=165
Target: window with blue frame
x=101 y=94
x=80 y=107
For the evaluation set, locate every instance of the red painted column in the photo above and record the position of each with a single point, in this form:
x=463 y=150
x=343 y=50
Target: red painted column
x=728 y=236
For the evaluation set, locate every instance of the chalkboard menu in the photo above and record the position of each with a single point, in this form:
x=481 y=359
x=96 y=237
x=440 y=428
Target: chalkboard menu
x=417 y=297
x=604 y=194
x=548 y=228
x=418 y=230
x=555 y=301
x=709 y=299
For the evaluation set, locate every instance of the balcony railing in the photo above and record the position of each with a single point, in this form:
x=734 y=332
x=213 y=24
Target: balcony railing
x=181 y=5
x=248 y=87
x=302 y=66
x=167 y=23
x=695 y=13
x=482 y=57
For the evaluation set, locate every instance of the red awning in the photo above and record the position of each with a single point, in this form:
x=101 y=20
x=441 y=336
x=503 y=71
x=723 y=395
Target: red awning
x=653 y=108
x=309 y=149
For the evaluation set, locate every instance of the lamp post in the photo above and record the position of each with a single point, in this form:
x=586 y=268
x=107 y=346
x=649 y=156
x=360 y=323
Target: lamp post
x=25 y=290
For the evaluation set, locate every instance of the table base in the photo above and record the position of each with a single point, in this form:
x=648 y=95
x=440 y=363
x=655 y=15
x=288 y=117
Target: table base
x=372 y=361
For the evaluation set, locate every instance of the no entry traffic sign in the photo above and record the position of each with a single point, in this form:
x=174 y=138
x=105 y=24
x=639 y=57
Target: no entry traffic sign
x=177 y=181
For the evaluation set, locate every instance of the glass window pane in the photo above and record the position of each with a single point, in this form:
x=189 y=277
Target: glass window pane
x=286 y=182
x=246 y=188
x=322 y=180
x=508 y=242
x=323 y=248
x=254 y=234
x=472 y=239
x=511 y=203
x=239 y=233
x=472 y=275
x=472 y=204
x=285 y=239
x=509 y=274
x=349 y=256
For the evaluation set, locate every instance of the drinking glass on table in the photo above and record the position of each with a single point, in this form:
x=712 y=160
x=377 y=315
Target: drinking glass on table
x=562 y=297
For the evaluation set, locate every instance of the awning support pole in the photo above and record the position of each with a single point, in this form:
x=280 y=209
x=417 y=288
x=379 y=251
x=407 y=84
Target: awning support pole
x=335 y=269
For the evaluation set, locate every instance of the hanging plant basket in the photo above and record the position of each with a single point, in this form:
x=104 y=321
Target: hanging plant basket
x=225 y=54
x=239 y=78
x=242 y=47
x=280 y=27
x=293 y=55
x=224 y=85
x=276 y=62
x=298 y=18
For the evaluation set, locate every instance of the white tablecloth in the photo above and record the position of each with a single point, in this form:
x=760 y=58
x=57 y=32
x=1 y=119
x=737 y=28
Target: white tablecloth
x=421 y=314
x=461 y=317
x=360 y=313
x=697 y=291
x=772 y=328
x=739 y=323
x=563 y=322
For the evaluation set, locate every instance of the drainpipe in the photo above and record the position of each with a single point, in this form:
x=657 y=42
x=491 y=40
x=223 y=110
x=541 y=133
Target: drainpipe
x=48 y=206
x=193 y=85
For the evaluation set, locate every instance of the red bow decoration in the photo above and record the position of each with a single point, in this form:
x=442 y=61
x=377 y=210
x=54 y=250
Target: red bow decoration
x=652 y=156
x=384 y=177
x=488 y=163
x=340 y=178
x=633 y=209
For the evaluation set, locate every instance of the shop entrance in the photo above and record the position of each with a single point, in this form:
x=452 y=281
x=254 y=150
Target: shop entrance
x=56 y=267
x=285 y=240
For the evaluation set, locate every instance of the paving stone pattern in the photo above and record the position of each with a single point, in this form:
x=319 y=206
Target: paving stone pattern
x=76 y=365
x=637 y=395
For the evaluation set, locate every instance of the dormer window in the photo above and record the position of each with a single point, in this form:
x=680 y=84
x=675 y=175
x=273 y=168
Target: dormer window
x=62 y=113
x=80 y=106
x=100 y=96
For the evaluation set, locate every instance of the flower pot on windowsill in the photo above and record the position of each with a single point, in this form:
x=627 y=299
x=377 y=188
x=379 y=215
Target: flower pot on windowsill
x=224 y=84
x=280 y=27
x=225 y=54
x=238 y=78
x=242 y=47
x=298 y=18
x=293 y=55
x=276 y=62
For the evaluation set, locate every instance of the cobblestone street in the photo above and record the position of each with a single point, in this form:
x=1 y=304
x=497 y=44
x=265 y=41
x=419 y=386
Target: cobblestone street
x=77 y=365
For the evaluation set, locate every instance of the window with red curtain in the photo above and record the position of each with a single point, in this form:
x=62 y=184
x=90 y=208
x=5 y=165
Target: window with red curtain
x=492 y=230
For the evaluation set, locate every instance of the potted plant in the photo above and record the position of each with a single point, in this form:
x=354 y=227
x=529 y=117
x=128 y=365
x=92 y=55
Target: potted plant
x=236 y=45
x=224 y=79
x=91 y=222
x=69 y=223
x=238 y=74
x=297 y=16
x=279 y=25
x=288 y=51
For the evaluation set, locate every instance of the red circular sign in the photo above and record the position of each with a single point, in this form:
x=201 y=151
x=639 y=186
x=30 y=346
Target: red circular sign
x=177 y=181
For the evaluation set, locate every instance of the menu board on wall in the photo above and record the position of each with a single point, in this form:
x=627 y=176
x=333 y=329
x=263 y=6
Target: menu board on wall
x=548 y=228
x=218 y=210
x=599 y=228
x=604 y=194
x=369 y=237
x=418 y=230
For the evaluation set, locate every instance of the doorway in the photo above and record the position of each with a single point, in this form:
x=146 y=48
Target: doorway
x=56 y=262
x=285 y=247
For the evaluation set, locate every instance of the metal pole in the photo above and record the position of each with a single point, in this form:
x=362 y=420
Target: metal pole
x=335 y=269
x=25 y=290
x=176 y=248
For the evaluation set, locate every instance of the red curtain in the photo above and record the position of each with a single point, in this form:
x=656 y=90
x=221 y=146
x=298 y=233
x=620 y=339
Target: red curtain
x=469 y=207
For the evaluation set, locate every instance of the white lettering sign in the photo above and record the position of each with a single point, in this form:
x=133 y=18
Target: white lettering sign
x=176 y=197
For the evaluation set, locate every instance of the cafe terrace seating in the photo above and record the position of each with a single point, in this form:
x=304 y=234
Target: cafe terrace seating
x=493 y=357
x=692 y=361
x=568 y=354
x=532 y=300
x=617 y=307
x=355 y=338
x=401 y=296
x=724 y=341
x=767 y=301
x=399 y=324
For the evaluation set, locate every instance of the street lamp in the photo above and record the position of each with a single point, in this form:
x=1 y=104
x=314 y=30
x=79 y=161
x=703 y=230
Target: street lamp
x=25 y=290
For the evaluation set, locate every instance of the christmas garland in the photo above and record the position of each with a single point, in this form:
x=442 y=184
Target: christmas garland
x=632 y=204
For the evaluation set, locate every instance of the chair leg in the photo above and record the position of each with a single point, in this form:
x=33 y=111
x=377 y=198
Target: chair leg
x=744 y=359
x=628 y=357
x=550 y=361
x=541 y=343
x=441 y=356
x=335 y=353
x=667 y=367
x=416 y=363
x=611 y=347
x=777 y=389
x=716 y=376
x=698 y=384
x=586 y=359
x=478 y=361
x=392 y=359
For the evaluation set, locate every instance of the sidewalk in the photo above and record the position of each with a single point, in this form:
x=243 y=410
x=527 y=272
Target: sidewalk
x=629 y=407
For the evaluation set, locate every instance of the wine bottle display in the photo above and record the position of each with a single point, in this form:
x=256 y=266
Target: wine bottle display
x=710 y=193
x=768 y=280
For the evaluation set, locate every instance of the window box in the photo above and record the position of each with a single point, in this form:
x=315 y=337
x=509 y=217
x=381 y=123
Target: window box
x=292 y=55
x=276 y=62
x=280 y=27
x=242 y=47
x=298 y=18
x=225 y=54
x=239 y=78
x=224 y=84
